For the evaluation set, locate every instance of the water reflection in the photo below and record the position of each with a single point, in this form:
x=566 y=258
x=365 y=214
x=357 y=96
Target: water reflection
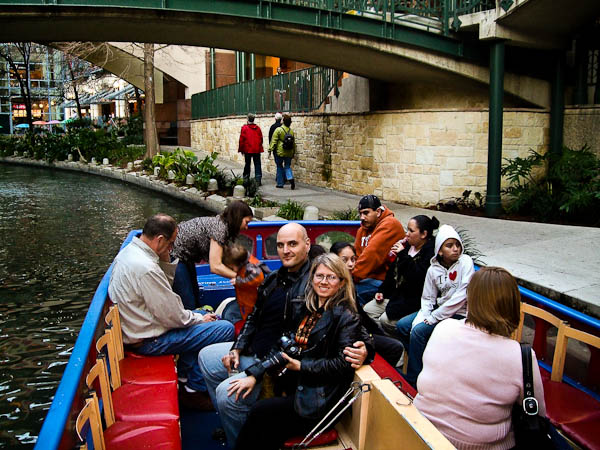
x=58 y=233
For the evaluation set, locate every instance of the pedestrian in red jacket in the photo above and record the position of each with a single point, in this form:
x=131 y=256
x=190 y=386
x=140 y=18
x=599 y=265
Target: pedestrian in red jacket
x=251 y=145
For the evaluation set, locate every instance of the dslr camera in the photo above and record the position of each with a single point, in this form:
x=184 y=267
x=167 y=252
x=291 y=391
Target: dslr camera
x=285 y=344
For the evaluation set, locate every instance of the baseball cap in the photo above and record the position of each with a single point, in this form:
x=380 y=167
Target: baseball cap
x=369 y=201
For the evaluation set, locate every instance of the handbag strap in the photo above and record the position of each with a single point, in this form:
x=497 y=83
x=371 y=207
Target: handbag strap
x=530 y=403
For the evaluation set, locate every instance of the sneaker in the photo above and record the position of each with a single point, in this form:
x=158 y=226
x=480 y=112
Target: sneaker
x=258 y=183
x=279 y=187
x=200 y=401
x=293 y=184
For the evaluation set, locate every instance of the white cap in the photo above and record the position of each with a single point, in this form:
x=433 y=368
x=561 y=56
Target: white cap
x=278 y=116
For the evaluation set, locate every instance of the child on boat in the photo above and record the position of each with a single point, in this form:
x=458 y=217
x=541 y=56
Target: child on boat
x=444 y=296
x=250 y=274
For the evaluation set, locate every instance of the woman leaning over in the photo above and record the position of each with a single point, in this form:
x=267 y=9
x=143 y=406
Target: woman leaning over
x=472 y=370
x=316 y=379
x=202 y=239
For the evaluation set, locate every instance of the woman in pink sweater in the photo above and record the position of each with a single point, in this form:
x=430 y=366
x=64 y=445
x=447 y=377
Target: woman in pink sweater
x=472 y=370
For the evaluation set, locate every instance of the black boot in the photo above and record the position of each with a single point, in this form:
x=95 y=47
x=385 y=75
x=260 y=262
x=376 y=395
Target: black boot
x=293 y=184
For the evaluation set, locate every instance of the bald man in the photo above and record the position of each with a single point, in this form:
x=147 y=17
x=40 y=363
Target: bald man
x=220 y=363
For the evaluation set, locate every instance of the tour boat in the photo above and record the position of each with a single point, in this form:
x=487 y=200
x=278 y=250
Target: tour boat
x=381 y=414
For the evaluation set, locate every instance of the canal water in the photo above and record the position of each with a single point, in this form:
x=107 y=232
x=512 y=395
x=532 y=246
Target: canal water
x=59 y=231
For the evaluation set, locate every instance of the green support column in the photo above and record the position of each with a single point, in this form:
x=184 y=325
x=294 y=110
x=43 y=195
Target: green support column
x=237 y=66
x=242 y=66
x=252 y=66
x=493 y=207
x=213 y=75
x=557 y=106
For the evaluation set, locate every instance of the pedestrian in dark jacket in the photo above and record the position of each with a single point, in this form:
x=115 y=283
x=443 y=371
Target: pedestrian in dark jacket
x=276 y=125
x=400 y=293
x=317 y=376
x=251 y=146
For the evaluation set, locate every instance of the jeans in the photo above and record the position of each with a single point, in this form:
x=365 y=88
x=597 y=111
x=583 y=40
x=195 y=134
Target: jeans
x=366 y=290
x=249 y=157
x=187 y=342
x=233 y=414
x=415 y=340
x=284 y=169
x=185 y=285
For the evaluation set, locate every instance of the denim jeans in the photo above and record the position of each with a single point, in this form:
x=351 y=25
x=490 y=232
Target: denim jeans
x=415 y=340
x=249 y=157
x=284 y=169
x=366 y=289
x=233 y=414
x=185 y=285
x=187 y=342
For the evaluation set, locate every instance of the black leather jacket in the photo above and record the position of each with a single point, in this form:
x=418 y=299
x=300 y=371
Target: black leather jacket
x=295 y=291
x=324 y=375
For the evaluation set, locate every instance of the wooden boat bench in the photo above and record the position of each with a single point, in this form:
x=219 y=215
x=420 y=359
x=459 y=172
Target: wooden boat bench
x=574 y=412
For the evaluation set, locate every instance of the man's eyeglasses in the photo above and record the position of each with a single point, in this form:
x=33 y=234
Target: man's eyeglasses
x=330 y=278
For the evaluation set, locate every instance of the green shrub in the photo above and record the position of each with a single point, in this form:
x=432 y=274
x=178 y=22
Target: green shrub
x=251 y=186
x=206 y=170
x=555 y=187
x=291 y=210
x=346 y=214
x=132 y=130
x=147 y=165
x=469 y=245
x=258 y=202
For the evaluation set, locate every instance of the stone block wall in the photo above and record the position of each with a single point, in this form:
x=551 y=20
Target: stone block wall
x=582 y=127
x=411 y=156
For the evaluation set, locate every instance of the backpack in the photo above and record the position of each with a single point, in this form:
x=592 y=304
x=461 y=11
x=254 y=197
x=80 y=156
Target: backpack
x=288 y=140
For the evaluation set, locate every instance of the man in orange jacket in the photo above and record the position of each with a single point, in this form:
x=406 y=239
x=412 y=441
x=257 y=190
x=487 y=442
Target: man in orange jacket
x=378 y=231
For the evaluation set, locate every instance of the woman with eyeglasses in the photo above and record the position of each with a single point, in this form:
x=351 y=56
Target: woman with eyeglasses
x=389 y=348
x=316 y=378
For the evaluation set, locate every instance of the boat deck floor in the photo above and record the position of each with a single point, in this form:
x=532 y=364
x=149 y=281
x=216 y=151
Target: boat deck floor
x=197 y=428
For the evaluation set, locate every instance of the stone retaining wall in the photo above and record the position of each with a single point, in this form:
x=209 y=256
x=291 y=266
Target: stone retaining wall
x=582 y=127
x=411 y=156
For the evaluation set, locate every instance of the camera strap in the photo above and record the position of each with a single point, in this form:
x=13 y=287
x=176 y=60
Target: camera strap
x=306 y=326
x=355 y=391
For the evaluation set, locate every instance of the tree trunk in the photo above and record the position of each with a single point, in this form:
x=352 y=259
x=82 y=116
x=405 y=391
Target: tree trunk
x=150 y=134
x=75 y=92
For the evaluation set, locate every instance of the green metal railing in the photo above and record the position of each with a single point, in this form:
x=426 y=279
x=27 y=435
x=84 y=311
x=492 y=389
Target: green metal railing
x=299 y=91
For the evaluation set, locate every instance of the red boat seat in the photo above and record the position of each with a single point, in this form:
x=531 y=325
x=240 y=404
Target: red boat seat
x=163 y=435
x=131 y=402
x=327 y=437
x=144 y=435
x=148 y=370
x=145 y=402
x=133 y=369
x=385 y=370
x=573 y=411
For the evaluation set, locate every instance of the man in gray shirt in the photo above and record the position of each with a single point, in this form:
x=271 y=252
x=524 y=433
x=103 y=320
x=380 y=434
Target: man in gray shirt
x=153 y=319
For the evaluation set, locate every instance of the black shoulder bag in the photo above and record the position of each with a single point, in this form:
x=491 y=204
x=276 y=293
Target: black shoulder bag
x=532 y=430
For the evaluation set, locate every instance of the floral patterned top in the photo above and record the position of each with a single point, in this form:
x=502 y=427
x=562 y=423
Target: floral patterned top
x=193 y=240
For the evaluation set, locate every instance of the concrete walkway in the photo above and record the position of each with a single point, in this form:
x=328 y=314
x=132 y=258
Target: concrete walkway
x=559 y=261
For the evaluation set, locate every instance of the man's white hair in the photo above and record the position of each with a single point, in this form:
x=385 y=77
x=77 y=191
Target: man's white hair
x=278 y=116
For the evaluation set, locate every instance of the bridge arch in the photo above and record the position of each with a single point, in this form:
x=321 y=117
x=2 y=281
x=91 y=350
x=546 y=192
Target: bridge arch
x=353 y=44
